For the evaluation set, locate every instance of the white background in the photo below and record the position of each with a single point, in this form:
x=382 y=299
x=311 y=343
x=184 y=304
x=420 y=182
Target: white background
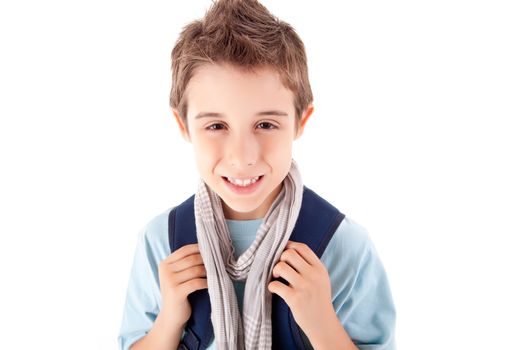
x=417 y=135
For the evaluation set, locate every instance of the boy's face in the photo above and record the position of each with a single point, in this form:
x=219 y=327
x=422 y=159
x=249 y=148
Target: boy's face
x=242 y=126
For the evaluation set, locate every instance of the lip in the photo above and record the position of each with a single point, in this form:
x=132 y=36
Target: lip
x=243 y=190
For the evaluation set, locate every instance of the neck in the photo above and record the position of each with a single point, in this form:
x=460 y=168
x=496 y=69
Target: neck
x=258 y=213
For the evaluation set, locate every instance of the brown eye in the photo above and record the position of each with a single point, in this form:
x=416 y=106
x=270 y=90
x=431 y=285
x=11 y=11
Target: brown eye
x=215 y=127
x=266 y=125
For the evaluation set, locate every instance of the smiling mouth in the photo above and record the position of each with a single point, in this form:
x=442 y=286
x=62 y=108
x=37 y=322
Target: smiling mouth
x=242 y=182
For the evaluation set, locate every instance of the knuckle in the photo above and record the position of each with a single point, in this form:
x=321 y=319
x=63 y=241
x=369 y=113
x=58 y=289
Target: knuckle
x=196 y=283
x=198 y=270
x=173 y=284
x=286 y=254
x=192 y=284
x=301 y=245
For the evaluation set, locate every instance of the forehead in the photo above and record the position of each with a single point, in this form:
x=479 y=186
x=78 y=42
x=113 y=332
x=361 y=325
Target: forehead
x=224 y=87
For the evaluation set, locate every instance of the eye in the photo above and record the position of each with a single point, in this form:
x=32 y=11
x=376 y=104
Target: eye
x=266 y=126
x=215 y=127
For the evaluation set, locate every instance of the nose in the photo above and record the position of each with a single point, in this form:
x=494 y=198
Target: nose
x=242 y=150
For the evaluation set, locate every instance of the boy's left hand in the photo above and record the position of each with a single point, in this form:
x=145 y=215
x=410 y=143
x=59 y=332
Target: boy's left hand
x=308 y=294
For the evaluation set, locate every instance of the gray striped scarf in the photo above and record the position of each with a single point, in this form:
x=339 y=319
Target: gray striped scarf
x=254 y=266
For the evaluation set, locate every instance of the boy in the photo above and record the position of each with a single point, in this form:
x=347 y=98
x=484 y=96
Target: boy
x=241 y=96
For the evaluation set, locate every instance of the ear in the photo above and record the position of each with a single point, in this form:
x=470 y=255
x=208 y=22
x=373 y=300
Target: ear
x=304 y=118
x=182 y=125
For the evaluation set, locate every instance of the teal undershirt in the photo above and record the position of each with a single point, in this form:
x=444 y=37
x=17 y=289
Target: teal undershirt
x=242 y=234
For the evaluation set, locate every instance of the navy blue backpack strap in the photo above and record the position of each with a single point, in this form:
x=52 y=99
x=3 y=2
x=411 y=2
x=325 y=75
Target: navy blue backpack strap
x=317 y=222
x=199 y=329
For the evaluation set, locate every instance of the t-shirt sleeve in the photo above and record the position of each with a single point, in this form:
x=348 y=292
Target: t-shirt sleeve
x=143 y=298
x=360 y=290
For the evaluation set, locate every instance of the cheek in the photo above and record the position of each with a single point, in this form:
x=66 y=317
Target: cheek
x=277 y=148
x=206 y=153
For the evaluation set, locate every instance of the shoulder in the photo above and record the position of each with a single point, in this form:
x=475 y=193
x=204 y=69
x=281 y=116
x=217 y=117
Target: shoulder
x=350 y=243
x=350 y=240
x=154 y=236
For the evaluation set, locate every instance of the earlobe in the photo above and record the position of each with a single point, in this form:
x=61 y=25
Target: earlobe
x=304 y=118
x=182 y=125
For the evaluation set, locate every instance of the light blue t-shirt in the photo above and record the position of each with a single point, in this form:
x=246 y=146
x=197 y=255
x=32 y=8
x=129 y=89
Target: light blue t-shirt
x=360 y=291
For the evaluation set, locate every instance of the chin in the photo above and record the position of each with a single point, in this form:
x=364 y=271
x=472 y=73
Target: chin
x=243 y=208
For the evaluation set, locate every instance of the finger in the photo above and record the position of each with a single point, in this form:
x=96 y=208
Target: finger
x=295 y=260
x=304 y=251
x=282 y=269
x=193 y=285
x=280 y=289
x=190 y=273
x=187 y=262
x=182 y=252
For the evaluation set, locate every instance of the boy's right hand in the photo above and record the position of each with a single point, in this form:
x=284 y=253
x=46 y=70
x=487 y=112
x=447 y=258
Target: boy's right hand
x=180 y=274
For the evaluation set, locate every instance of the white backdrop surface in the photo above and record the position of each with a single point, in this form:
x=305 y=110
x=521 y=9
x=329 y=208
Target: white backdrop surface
x=417 y=134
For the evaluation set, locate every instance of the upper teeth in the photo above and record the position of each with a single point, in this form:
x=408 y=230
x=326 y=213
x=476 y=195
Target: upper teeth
x=244 y=182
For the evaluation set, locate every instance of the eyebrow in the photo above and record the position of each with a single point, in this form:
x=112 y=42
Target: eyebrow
x=219 y=115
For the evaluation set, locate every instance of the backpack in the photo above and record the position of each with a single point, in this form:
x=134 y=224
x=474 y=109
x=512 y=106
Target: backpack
x=317 y=222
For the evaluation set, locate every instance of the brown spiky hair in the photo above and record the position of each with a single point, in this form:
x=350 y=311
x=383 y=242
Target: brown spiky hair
x=243 y=33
